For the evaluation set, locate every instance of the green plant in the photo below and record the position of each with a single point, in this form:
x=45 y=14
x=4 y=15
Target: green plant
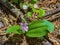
x=39 y=28
x=40 y=12
x=36 y=28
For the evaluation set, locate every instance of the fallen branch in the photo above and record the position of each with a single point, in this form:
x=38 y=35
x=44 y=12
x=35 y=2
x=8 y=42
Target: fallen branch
x=10 y=8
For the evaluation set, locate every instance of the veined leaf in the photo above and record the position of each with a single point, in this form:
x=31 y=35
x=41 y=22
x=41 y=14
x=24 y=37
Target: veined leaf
x=14 y=29
x=35 y=24
x=39 y=28
x=49 y=24
x=41 y=23
x=37 y=32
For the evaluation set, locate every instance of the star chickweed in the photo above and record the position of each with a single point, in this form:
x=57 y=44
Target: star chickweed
x=35 y=6
x=25 y=7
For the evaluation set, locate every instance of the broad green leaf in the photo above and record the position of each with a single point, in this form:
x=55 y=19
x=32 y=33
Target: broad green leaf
x=35 y=24
x=39 y=28
x=14 y=29
x=49 y=24
x=34 y=21
x=41 y=23
x=41 y=13
x=29 y=14
x=37 y=32
x=15 y=1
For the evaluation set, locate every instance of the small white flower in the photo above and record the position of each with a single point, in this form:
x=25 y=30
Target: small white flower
x=25 y=7
x=35 y=6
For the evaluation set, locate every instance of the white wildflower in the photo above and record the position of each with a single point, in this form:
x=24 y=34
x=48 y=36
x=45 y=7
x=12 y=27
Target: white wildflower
x=35 y=6
x=25 y=7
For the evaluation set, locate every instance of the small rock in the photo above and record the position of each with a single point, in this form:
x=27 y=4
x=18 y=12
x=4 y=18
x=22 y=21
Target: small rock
x=58 y=5
x=1 y=25
x=46 y=43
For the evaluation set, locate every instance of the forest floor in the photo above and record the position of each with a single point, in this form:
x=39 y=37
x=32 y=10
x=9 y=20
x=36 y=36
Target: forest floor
x=53 y=37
